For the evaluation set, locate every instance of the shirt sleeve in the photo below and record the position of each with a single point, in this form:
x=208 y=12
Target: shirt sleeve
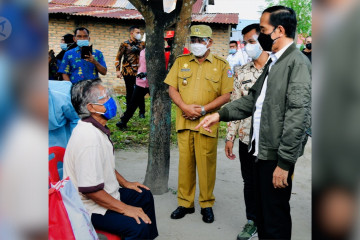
x=171 y=78
x=89 y=170
x=101 y=59
x=119 y=56
x=65 y=64
x=233 y=126
x=227 y=80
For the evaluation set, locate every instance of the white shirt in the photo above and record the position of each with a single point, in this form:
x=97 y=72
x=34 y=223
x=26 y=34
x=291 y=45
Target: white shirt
x=260 y=101
x=89 y=161
x=236 y=59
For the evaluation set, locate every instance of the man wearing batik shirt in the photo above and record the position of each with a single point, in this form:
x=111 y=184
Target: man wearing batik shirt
x=74 y=68
x=245 y=77
x=130 y=50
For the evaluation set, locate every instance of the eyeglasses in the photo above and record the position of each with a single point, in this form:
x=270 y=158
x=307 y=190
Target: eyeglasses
x=198 y=40
x=107 y=93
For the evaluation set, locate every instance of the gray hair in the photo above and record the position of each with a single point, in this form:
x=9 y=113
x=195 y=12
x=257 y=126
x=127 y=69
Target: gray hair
x=83 y=93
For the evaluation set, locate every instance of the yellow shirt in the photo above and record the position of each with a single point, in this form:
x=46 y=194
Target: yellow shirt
x=199 y=84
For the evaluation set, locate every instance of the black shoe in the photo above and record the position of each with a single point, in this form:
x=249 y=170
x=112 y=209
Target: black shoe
x=180 y=212
x=141 y=115
x=208 y=215
x=121 y=125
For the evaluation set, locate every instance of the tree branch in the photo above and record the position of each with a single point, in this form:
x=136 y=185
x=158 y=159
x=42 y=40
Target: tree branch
x=181 y=30
x=140 y=5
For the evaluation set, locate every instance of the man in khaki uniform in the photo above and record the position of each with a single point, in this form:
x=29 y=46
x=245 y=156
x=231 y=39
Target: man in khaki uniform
x=199 y=83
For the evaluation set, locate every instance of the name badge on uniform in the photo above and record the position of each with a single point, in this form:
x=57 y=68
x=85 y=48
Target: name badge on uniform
x=229 y=73
x=246 y=81
x=185 y=70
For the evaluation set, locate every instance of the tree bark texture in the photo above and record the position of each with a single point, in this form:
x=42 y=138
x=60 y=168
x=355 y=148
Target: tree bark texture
x=156 y=20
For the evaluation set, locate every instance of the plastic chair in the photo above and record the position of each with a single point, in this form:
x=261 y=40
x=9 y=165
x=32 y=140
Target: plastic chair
x=109 y=236
x=55 y=177
x=59 y=156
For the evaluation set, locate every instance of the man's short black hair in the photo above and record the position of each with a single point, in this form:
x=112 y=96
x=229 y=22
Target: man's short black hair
x=233 y=41
x=133 y=27
x=284 y=16
x=68 y=38
x=81 y=29
x=250 y=27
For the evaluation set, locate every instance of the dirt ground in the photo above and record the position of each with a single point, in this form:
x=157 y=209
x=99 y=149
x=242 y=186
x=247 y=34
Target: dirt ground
x=229 y=208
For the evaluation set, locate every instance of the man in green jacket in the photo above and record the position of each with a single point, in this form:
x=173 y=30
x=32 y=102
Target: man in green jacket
x=280 y=105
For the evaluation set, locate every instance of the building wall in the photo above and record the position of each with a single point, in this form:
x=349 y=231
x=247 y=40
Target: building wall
x=106 y=35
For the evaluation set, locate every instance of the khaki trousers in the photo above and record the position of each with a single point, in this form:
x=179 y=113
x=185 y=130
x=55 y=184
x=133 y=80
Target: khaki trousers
x=196 y=150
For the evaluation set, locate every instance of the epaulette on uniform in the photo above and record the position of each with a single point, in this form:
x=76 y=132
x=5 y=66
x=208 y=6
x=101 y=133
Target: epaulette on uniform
x=183 y=55
x=220 y=58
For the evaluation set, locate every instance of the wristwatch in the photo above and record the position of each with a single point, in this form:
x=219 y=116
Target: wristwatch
x=203 y=112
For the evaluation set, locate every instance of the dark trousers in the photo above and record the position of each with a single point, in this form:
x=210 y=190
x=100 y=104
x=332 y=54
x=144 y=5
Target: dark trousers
x=130 y=85
x=247 y=164
x=137 y=100
x=119 y=224
x=273 y=215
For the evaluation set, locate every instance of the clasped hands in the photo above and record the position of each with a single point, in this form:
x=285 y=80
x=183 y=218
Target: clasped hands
x=191 y=112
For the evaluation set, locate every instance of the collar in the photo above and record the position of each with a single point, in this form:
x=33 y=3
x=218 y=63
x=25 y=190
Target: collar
x=135 y=41
x=209 y=58
x=275 y=56
x=77 y=49
x=98 y=125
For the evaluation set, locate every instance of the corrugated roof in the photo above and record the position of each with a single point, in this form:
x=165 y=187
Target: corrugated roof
x=62 y=1
x=96 y=3
x=224 y=18
x=120 y=13
x=197 y=6
x=101 y=3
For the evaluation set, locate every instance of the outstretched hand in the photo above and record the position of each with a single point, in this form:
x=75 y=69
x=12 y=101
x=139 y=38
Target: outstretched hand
x=209 y=121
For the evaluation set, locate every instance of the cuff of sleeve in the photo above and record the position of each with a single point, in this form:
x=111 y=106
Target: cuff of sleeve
x=224 y=114
x=284 y=164
x=96 y=188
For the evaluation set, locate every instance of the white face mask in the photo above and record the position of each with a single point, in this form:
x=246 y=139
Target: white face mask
x=253 y=50
x=199 y=49
x=138 y=36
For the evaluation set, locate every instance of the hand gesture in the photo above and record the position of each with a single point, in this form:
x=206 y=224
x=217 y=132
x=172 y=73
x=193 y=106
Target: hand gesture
x=136 y=213
x=192 y=111
x=90 y=58
x=208 y=121
x=118 y=74
x=229 y=150
x=280 y=178
x=135 y=186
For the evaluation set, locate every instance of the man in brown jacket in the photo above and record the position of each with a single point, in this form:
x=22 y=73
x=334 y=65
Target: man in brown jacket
x=130 y=50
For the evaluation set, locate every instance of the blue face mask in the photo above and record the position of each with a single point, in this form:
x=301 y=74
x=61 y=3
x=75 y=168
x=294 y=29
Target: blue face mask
x=82 y=43
x=63 y=46
x=232 y=51
x=111 y=108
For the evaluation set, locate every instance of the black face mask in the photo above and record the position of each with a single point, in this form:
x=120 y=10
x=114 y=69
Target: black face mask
x=266 y=41
x=308 y=46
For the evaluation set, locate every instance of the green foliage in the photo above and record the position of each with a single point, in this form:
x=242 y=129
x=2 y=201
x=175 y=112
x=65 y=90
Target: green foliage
x=137 y=133
x=303 y=9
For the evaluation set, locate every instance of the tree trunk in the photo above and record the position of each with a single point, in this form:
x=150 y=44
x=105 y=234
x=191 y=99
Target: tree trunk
x=157 y=172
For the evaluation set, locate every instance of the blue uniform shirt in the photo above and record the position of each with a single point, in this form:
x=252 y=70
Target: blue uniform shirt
x=78 y=69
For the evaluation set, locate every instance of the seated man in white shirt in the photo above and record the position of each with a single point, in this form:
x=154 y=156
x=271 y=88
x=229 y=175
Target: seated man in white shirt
x=89 y=161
